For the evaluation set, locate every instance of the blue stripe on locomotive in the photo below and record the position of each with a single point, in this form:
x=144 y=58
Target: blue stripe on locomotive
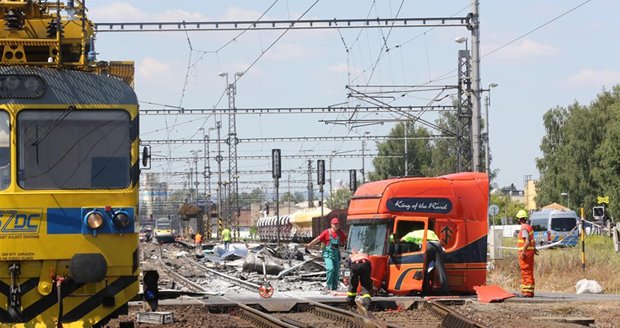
x=71 y=221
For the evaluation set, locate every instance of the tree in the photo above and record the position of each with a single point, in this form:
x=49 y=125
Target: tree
x=418 y=153
x=508 y=208
x=444 y=154
x=290 y=197
x=339 y=199
x=579 y=152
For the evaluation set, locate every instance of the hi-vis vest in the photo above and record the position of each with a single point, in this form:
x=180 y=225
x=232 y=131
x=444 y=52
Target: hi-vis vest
x=521 y=242
x=417 y=236
x=359 y=257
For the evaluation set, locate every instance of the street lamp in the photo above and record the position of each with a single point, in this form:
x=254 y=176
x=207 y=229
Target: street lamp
x=331 y=157
x=462 y=39
x=486 y=121
x=567 y=195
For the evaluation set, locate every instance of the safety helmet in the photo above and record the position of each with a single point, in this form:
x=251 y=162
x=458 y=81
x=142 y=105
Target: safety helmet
x=522 y=214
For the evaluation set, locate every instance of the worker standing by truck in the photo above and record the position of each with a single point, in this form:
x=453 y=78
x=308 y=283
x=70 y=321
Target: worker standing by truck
x=526 y=250
x=331 y=239
x=360 y=275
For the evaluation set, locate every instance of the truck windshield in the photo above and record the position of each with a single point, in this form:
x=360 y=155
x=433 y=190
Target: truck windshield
x=563 y=224
x=369 y=238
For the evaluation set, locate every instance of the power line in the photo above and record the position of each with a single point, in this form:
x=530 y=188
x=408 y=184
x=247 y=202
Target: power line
x=173 y=110
x=286 y=139
x=535 y=29
x=298 y=24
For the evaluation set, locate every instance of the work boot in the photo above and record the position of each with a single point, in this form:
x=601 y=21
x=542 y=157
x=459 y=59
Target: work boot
x=366 y=302
x=351 y=297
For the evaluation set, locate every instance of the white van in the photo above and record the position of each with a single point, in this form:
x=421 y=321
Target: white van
x=552 y=225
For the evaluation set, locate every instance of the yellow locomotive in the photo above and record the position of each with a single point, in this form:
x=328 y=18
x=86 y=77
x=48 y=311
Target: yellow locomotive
x=68 y=171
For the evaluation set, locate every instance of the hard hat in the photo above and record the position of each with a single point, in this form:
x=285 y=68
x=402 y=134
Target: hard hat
x=335 y=221
x=522 y=214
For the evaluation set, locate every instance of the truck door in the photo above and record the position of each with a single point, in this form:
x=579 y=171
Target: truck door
x=406 y=263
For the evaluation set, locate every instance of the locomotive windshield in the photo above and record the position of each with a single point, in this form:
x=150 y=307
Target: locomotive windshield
x=370 y=238
x=73 y=149
x=5 y=151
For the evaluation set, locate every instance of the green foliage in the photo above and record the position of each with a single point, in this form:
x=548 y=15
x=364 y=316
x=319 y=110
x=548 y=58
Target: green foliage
x=418 y=152
x=427 y=156
x=580 y=153
x=253 y=232
x=339 y=199
x=290 y=197
x=507 y=207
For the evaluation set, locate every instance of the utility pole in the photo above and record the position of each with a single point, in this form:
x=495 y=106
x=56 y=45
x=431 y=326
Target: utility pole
x=206 y=173
x=310 y=187
x=363 y=160
x=406 y=149
x=331 y=186
x=233 y=176
x=320 y=180
x=218 y=158
x=196 y=183
x=475 y=73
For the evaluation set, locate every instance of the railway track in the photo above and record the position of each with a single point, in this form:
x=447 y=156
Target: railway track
x=308 y=313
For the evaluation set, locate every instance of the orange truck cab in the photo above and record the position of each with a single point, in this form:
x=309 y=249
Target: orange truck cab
x=453 y=206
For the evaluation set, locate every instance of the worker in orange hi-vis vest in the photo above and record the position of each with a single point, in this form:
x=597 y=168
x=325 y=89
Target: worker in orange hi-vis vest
x=526 y=249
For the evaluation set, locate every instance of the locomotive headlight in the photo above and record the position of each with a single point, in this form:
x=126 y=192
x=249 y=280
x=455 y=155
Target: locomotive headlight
x=11 y=82
x=121 y=220
x=32 y=84
x=94 y=220
x=21 y=86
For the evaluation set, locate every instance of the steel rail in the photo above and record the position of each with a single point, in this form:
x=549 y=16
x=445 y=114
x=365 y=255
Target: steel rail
x=241 y=283
x=198 y=287
x=247 y=313
x=451 y=318
x=258 y=318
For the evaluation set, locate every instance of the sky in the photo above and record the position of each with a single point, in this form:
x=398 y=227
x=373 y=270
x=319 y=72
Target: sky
x=539 y=55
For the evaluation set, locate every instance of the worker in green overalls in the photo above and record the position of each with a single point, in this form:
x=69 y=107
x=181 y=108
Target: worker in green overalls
x=331 y=239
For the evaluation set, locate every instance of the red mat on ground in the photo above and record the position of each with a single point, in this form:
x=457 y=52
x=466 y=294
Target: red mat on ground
x=488 y=294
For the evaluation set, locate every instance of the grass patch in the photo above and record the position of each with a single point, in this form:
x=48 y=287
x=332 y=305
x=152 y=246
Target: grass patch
x=559 y=269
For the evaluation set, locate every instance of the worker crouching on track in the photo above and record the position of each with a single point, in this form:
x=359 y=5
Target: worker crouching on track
x=434 y=252
x=526 y=250
x=360 y=274
x=331 y=239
